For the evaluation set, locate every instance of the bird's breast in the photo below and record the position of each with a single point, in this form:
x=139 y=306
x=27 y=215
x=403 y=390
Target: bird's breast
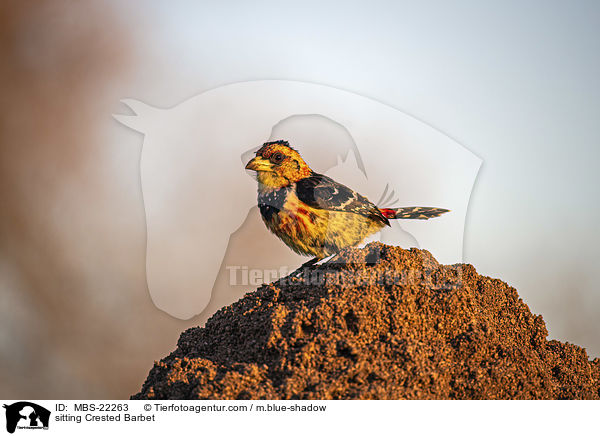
x=284 y=213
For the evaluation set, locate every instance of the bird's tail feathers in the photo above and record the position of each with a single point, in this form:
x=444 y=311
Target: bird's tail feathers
x=413 y=213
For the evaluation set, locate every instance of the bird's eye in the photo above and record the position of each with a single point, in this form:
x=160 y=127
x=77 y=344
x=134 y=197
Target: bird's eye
x=277 y=158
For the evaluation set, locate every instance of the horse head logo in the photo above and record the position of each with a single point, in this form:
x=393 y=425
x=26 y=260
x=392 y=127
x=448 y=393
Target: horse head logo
x=197 y=194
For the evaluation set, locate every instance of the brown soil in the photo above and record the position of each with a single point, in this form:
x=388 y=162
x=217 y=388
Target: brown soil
x=391 y=324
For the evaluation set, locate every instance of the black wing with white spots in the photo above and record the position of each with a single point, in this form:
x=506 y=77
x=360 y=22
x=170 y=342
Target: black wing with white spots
x=322 y=192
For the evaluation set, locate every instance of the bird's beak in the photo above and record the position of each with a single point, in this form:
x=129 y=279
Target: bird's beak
x=259 y=164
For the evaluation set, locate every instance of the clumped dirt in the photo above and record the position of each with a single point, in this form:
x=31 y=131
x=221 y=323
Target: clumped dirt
x=380 y=323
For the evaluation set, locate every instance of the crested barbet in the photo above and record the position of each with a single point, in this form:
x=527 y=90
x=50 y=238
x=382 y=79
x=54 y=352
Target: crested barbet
x=313 y=214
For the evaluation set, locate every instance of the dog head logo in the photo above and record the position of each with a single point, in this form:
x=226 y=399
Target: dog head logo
x=26 y=415
x=200 y=204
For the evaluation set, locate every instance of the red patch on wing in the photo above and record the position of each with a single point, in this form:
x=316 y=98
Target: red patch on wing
x=388 y=213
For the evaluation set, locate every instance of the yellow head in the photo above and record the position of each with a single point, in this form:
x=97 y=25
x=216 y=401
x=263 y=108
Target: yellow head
x=277 y=165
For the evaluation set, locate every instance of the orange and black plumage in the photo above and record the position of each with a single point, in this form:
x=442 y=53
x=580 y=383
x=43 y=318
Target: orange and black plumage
x=313 y=214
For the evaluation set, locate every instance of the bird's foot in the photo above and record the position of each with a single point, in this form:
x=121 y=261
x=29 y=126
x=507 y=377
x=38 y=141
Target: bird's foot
x=298 y=273
x=326 y=260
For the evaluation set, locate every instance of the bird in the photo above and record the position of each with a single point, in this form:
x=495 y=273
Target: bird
x=313 y=214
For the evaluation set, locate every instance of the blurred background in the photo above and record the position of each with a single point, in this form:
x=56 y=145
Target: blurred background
x=514 y=82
